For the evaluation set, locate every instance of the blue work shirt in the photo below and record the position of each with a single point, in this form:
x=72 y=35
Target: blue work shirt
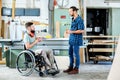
x=77 y=24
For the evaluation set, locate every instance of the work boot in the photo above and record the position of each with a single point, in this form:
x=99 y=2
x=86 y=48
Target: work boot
x=68 y=70
x=74 y=71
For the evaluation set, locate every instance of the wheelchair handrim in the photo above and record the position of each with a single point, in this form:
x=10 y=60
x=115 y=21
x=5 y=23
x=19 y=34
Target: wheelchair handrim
x=33 y=60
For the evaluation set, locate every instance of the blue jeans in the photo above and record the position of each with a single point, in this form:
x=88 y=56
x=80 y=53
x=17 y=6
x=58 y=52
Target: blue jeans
x=74 y=51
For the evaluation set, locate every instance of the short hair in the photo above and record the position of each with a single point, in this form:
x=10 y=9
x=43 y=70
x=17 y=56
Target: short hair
x=28 y=24
x=74 y=8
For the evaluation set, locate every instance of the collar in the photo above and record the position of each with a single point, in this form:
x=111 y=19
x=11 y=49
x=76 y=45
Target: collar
x=75 y=18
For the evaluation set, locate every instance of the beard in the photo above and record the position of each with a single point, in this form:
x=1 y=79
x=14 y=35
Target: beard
x=72 y=15
x=32 y=31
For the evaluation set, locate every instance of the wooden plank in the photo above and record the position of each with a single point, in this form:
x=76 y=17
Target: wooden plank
x=101 y=50
x=3 y=29
x=65 y=34
x=101 y=43
x=104 y=41
x=6 y=31
x=81 y=8
x=82 y=55
x=0 y=16
x=13 y=9
x=0 y=26
x=115 y=68
x=57 y=29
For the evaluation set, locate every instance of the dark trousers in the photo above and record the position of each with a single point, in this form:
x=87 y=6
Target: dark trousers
x=74 y=51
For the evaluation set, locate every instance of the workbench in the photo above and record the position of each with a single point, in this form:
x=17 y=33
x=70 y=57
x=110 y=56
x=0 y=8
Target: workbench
x=53 y=43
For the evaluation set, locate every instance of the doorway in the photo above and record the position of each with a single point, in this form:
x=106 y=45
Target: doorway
x=97 y=21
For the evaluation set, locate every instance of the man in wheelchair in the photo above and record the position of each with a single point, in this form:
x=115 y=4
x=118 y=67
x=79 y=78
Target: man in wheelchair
x=30 y=41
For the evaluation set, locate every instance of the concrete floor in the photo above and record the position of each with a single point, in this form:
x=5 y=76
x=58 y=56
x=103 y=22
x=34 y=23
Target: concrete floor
x=88 y=71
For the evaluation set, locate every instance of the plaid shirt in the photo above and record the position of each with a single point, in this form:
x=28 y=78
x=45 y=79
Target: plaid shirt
x=76 y=39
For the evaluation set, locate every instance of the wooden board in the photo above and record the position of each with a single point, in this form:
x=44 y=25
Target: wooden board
x=101 y=50
x=0 y=16
x=82 y=55
x=0 y=26
x=13 y=9
x=102 y=43
x=115 y=68
x=6 y=31
x=57 y=29
x=2 y=29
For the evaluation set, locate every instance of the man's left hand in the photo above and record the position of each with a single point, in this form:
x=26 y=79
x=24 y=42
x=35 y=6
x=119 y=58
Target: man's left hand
x=68 y=31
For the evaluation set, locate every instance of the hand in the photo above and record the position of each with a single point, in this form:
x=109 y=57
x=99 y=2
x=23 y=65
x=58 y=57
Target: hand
x=39 y=39
x=68 y=31
x=36 y=41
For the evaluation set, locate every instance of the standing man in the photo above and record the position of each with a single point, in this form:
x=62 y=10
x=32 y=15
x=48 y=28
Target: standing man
x=75 y=40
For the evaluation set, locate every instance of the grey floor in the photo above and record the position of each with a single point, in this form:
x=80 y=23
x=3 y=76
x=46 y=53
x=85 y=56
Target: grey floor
x=88 y=71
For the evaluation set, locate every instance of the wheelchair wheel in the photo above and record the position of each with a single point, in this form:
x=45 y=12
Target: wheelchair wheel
x=25 y=63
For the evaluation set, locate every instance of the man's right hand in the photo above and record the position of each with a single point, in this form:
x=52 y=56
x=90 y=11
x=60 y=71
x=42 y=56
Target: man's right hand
x=38 y=40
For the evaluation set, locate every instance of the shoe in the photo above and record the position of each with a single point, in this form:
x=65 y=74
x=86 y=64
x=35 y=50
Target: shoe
x=68 y=70
x=52 y=70
x=74 y=71
x=57 y=71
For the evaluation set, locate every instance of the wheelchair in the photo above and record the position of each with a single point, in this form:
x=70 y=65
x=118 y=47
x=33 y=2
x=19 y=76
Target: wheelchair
x=27 y=62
